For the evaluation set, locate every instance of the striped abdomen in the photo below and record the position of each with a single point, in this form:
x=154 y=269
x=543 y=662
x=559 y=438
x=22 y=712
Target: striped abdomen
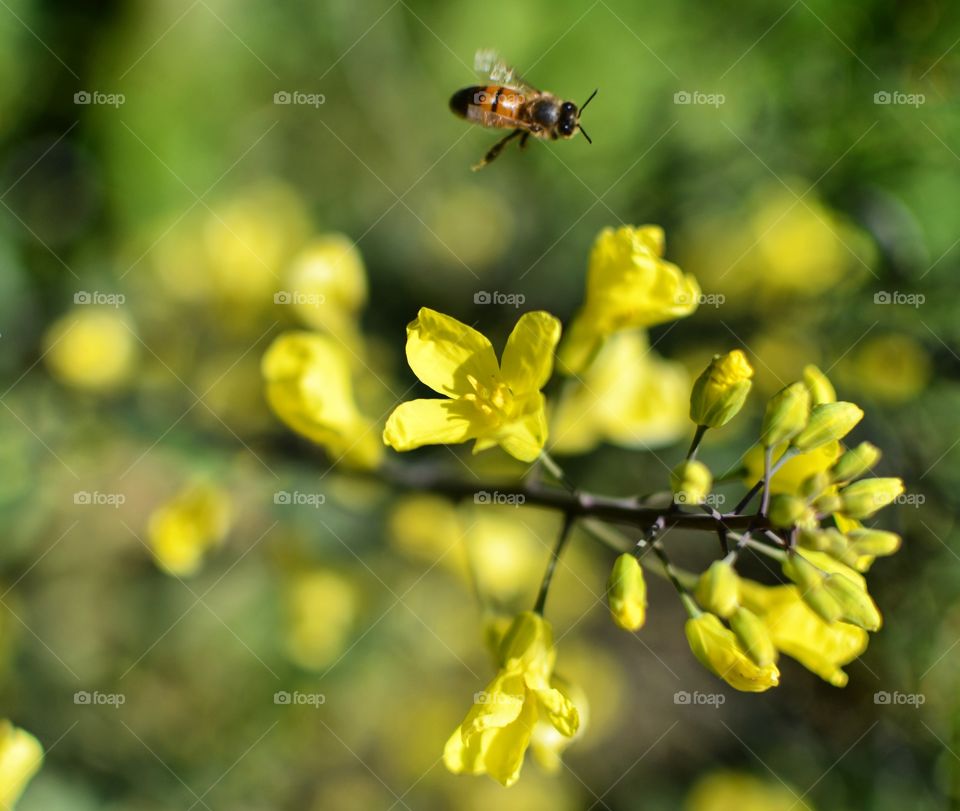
x=487 y=104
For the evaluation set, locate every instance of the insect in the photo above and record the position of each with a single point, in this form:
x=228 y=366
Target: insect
x=511 y=103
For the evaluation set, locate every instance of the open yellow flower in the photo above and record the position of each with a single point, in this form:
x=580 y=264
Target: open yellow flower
x=308 y=386
x=629 y=284
x=796 y=630
x=629 y=396
x=495 y=404
x=719 y=651
x=21 y=756
x=496 y=732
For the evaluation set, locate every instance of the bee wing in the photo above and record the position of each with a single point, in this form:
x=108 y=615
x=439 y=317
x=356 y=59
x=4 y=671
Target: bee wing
x=492 y=66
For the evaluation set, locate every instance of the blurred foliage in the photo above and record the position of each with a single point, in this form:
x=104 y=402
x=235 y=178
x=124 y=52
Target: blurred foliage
x=320 y=659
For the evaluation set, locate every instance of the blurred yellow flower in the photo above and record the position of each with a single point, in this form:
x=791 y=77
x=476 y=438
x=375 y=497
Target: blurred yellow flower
x=183 y=530
x=629 y=285
x=308 y=387
x=794 y=472
x=21 y=756
x=646 y=408
x=321 y=608
x=495 y=404
x=719 y=651
x=796 y=630
x=893 y=368
x=327 y=284
x=497 y=730
x=91 y=349
x=548 y=743
x=736 y=791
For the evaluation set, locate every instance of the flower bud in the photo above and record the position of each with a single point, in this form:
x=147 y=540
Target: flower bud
x=819 y=385
x=721 y=390
x=719 y=651
x=691 y=482
x=814 y=485
x=753 y=636
x=786 y=415
x=718 y=589
x=856 y=606
x=863 y=498
x=855 y=462
x=873 y=542
x=627 y=593
x=828 y=422
x=830 y=540
x=811 y=582
x=828 y=503
x=786 y=510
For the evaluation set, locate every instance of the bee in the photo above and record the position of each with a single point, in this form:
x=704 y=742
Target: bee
x=511 y=103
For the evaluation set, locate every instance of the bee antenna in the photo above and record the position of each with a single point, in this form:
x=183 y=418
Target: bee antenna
x=584 y=105
x=589 y=140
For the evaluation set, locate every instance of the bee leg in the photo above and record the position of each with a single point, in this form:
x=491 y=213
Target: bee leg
x=523 y=140
x=496 y=149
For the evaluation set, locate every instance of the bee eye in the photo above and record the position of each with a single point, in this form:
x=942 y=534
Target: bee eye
x=567 y=107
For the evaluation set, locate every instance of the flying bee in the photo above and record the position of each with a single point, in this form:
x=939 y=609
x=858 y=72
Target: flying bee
x=511 y=103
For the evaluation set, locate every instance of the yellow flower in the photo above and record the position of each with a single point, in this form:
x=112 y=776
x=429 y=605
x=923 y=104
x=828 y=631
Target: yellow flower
x=893 y=368
x=718 y=587
x=821 y=647
x=646 y=408
x=496 y=732
x=627 y=593
x=718 y=650
x=91 y=349
x=547 y=742
x=734 y=791
x=183 y=530
x=795 y=471
x=321 y=606
x=495 y=404
x=308 y=387
x=629 y=285
x=21 y=756
x=721 y=390
x=328 y=284
x=691 y=482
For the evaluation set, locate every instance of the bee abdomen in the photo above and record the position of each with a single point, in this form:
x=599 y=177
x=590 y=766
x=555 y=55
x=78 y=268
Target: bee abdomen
x=470 y=101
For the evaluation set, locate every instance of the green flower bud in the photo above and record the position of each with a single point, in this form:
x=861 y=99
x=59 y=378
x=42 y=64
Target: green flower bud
x=811 y=583
x=786 y=415
x=856 y=606
x=718 y=589
x=721 y=390
x=691 y=482
x=753 y=636
x=814 y=485
x=828 y=503
x=855 y=462
x=874 y=542
x=627 y=593
x=828 y=422
x=830 y=540
x=819 y=385
x=786 y=510
x=863 y=498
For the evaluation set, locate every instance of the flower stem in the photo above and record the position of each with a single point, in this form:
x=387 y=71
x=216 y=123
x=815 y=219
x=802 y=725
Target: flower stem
x=568 y=520
x=697 y=439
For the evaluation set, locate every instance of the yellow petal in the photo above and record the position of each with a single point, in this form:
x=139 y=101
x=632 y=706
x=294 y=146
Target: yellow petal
x=444 y=353
x=528 y=356
x=560 y=711
x=497 y=751
x=718 y=650
x=524 y=436
x=496 y=706
x=429 y=422
x=20 y=757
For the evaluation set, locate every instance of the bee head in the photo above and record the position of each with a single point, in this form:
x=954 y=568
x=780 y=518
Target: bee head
x=567 y=121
